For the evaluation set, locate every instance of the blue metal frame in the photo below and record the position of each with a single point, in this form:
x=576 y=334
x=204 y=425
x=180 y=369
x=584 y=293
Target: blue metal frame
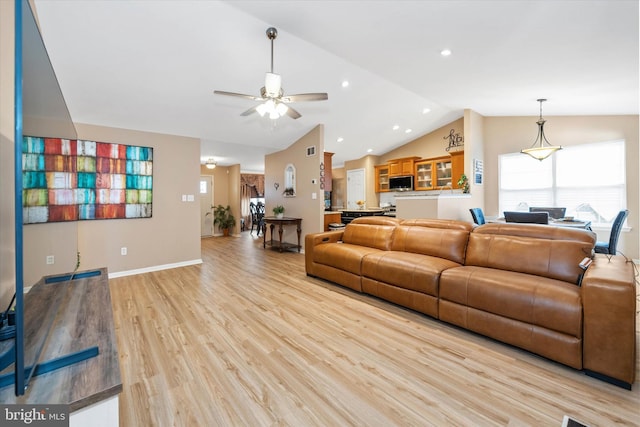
x=19 y=263
x=53 y=364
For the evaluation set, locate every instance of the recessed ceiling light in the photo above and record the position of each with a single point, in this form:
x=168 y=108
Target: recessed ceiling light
x=426 y=110
x=345 y=83
x=369 y=150
x=396 y=127
x=407 y=131
x=340 y=139
x=445 y=52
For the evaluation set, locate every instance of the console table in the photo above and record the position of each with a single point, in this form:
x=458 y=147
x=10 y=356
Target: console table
x=83 y=318
x=281 y=222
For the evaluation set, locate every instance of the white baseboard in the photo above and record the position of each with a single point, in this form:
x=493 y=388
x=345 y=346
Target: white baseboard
x=154 y=268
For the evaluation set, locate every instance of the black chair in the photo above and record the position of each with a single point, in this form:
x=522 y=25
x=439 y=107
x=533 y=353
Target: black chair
x=477 y=215
x=527 y=217
x=610 y=248
x=255 y=221
x=260 y=215
x=555 y=213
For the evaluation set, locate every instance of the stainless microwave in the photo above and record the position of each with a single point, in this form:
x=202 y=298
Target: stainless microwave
x=401 y=183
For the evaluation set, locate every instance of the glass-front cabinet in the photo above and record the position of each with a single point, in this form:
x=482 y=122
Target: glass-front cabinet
x=444 y=177
x=382 y=178
x=439 y=172
x=424 y=175
x=434 y=174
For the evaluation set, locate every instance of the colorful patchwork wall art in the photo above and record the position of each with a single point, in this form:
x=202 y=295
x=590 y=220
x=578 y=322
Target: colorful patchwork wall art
x=72 y=180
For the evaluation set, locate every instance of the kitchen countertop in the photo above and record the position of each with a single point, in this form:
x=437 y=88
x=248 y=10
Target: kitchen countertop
x=363 y=210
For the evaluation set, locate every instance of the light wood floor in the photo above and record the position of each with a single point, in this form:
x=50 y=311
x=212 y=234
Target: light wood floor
x=246 y=339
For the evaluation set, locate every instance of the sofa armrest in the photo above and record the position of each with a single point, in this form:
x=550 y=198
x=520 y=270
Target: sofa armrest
x=609 y=310
x=314 y=239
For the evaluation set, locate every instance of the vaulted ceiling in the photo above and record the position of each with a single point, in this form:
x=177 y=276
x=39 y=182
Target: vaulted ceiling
x=153 y=66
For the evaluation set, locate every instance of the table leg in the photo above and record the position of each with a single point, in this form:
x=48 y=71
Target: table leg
x=264 y=234
x=299 y=230
x=280 y=235
x=271 y=227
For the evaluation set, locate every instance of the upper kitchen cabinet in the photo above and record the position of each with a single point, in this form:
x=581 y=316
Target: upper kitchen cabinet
x=457 y=166
x=440 y=172
x=402 y=167
x=382 y=178
x=424 y=175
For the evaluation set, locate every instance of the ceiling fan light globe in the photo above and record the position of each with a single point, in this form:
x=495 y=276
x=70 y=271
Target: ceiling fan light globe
x=273 y=84
x=261 y=109
x=281 y=108
x=274 y=115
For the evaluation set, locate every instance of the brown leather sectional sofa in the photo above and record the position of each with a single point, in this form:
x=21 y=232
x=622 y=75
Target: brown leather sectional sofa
x=518 y=283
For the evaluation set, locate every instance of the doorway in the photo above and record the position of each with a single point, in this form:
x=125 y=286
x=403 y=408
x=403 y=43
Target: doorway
x=355 y=187
x=206 y=202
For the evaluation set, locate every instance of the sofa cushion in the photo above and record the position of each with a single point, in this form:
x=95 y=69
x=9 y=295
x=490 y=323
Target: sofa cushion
x=439 y=238
x=406 y=270
x=343 y=256
x=549 y=303
x=553 y=252
x=372 y=232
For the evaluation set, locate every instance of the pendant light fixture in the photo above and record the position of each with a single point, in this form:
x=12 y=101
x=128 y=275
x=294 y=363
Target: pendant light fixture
x=541 y=149
x=211 y=164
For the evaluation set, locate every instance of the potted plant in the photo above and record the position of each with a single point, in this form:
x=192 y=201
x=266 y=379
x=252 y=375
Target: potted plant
x=289 y=191
x=223 y=218
x=278 y=211
x=463 y=183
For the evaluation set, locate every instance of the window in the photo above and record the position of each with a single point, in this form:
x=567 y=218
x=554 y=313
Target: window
x=589 y=180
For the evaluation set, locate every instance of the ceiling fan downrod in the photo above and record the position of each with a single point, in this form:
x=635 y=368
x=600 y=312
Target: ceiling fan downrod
x=272 y=33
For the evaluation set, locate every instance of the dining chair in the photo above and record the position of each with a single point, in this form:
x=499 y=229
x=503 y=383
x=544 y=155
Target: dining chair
x=527 y=217
x=255 y=222
x=610 y=247
x=477 y=215
x=555 y=213
x=260 y=212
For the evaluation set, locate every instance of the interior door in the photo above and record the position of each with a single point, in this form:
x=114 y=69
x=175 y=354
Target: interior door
x=355 y=187
x=206 y=201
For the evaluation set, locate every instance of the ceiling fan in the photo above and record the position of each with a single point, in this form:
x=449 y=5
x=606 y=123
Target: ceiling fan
x=274 y=101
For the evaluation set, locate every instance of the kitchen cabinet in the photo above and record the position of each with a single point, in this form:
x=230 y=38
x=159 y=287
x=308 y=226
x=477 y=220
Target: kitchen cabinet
x=439 y=172
x=457 y=166
x=424 y=175
x=382 y=178
x=402 y=167
x=331 y=218
x=443 y=175
x=325 y=173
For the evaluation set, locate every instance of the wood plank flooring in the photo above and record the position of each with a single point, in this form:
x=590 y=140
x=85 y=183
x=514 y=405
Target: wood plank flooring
x=247 y=339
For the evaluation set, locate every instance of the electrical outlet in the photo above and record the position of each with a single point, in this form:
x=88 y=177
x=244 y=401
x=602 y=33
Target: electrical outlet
x=50 y=260
x=123 y=251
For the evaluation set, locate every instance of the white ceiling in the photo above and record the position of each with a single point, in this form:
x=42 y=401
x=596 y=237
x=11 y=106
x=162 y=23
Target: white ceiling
x=153 y=66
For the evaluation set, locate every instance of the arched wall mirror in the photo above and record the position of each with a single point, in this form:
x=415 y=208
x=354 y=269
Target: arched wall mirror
x=290 y=181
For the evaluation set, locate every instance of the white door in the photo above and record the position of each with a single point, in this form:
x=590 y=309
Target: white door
x=355 y=188
x=206 y=201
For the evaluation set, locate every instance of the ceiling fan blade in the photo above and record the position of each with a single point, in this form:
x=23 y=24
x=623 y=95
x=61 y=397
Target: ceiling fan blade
x=293 y=113
x=238 y=95
x=303 y=97
x=249 y=111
